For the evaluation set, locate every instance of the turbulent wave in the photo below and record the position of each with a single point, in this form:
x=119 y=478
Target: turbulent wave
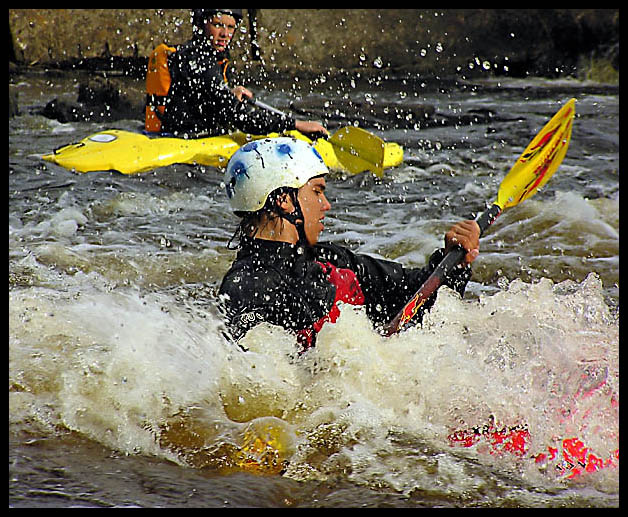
x=142 y=375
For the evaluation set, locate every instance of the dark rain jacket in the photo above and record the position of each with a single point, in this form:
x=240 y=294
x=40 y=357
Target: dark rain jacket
x=200 y=103
x=286 y=285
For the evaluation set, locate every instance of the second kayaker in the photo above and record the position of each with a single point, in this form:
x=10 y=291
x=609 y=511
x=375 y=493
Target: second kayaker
x=200 y=100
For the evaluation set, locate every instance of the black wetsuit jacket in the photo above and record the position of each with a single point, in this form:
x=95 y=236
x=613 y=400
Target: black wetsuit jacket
x=199 y=103
x=285 y=285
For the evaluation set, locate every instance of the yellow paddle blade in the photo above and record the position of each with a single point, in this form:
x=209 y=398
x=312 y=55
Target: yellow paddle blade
x=358 y=150
x=540 y=159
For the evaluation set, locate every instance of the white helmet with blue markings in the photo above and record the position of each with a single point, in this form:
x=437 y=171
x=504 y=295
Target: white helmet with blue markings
x=262 y=166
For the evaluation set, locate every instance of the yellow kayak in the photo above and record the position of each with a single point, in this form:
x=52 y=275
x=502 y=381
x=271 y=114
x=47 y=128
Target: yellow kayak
x=132 y=153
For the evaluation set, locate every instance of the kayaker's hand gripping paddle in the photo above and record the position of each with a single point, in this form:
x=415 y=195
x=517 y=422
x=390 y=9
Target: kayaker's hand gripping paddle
x=531 y=171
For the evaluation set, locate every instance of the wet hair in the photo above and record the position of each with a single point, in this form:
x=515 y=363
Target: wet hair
x=251 y=222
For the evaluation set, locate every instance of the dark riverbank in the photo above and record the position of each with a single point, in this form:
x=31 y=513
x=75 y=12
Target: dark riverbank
x=302 y=49
x=415 y=42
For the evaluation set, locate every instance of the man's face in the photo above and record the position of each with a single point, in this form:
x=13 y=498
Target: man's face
x=219 y=29
x=314 y=204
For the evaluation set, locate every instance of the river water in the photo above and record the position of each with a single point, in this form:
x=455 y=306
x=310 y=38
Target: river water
x=123 y=391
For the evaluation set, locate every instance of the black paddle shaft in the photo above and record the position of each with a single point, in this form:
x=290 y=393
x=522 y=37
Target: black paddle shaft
x=488 y=218
x=451 y=260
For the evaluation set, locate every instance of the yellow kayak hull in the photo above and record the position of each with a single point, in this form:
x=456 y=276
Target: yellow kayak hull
x=133 y=153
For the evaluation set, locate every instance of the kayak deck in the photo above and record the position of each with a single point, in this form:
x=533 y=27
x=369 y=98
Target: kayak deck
x=570 y=457
x=133 y=153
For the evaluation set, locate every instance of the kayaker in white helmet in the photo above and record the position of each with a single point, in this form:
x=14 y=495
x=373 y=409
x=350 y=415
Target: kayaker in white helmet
x=283 y=275
x=200 y=100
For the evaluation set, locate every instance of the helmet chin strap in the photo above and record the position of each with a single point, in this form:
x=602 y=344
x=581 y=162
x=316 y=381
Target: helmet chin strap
x=296 y=217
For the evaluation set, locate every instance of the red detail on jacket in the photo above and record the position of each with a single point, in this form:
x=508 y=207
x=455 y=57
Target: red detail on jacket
x=348 y=290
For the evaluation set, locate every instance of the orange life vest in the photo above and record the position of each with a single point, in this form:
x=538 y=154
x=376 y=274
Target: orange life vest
x=157 y=86
x=158 y=82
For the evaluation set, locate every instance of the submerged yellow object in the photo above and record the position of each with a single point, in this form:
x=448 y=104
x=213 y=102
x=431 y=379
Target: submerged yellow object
x=267 y=443
x=132 y=153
